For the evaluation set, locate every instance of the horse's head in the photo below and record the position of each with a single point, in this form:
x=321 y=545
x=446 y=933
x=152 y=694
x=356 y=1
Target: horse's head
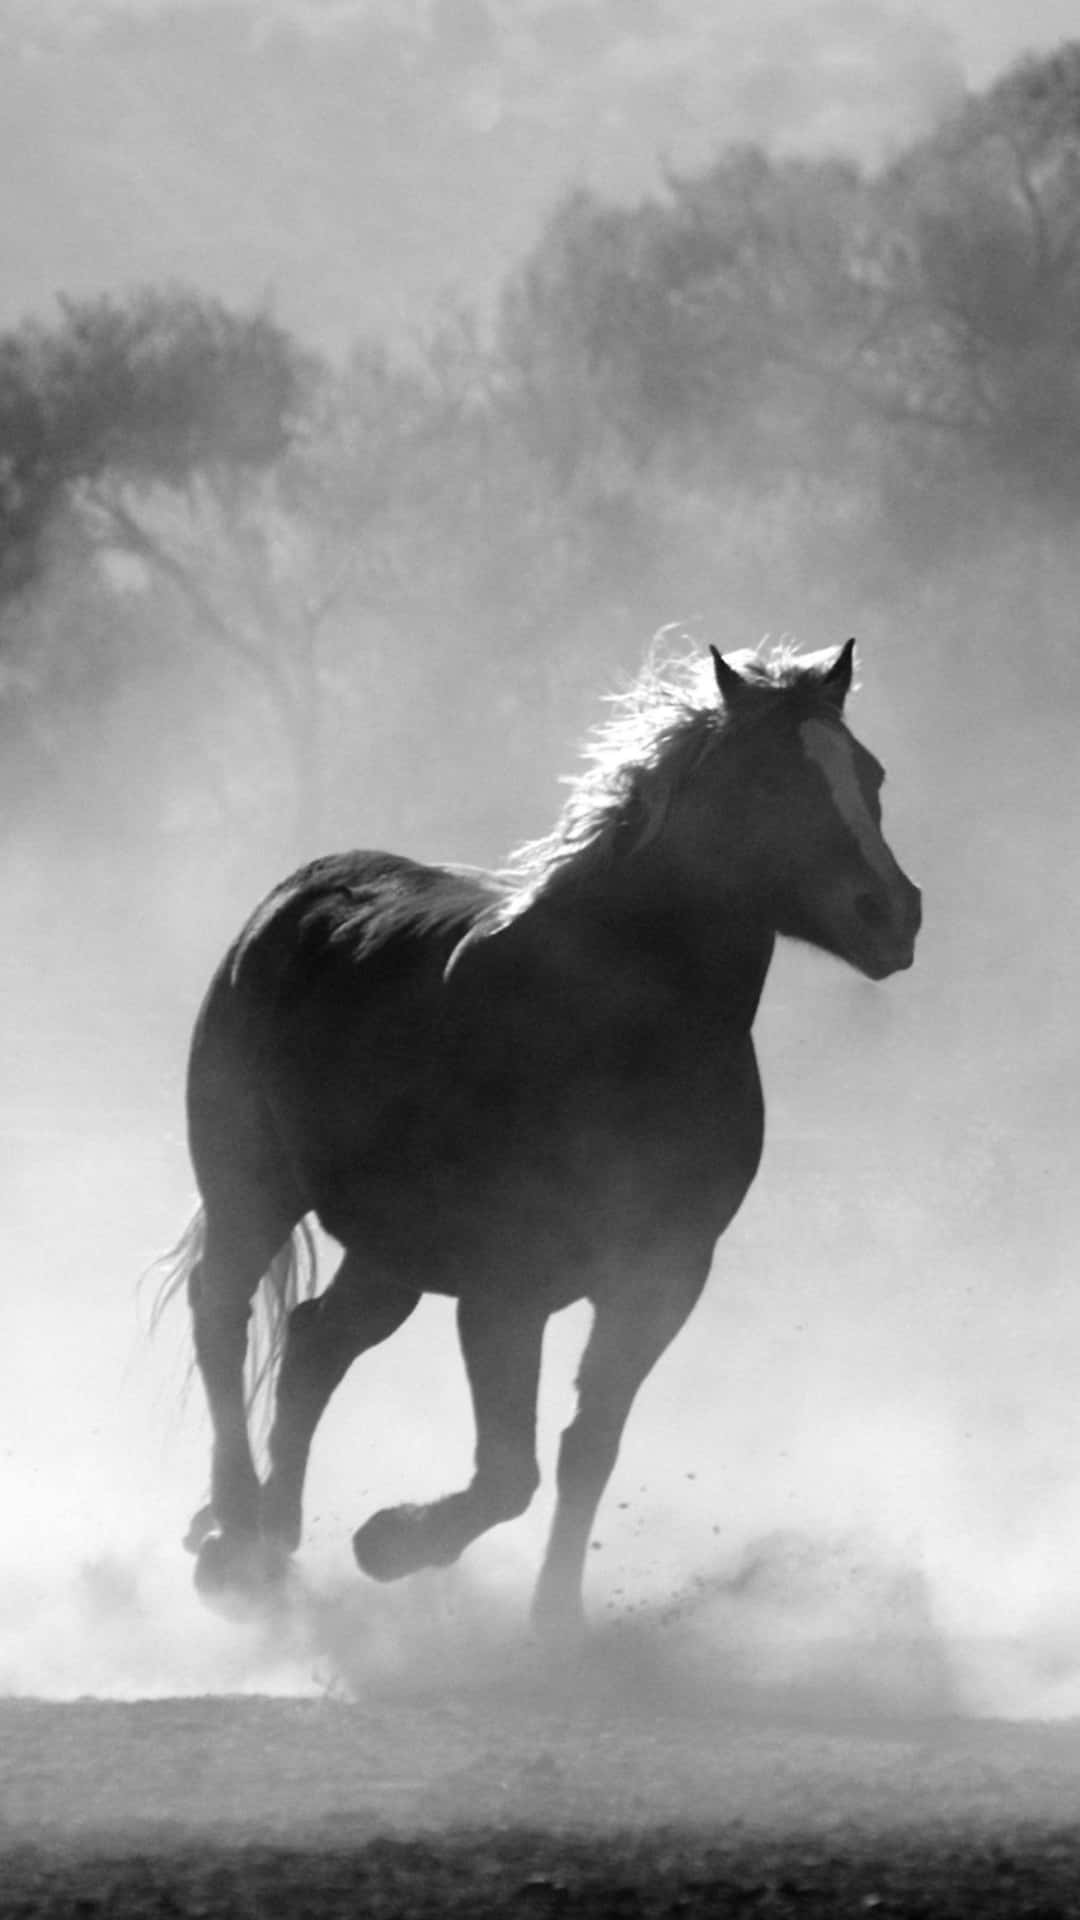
x=808 y=798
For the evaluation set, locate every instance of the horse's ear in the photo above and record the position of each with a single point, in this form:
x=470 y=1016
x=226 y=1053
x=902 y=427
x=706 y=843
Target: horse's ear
x=836 y=684
x=733 y=687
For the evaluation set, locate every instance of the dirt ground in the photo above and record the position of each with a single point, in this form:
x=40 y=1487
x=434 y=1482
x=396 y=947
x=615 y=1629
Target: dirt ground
x=517 y=1800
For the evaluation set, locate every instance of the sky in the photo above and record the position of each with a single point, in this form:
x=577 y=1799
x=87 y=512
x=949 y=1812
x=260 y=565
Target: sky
x=140 y=143
x=987 y=33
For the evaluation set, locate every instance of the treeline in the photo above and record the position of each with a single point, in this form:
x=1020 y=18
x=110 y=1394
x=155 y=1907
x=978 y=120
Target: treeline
x=255 y=603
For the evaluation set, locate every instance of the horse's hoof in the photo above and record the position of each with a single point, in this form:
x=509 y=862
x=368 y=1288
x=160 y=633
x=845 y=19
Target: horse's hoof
x=203 y=1524
x=240 y=1573
x=389 y=1545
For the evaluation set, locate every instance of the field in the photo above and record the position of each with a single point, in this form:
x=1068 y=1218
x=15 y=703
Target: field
x=579 y=1796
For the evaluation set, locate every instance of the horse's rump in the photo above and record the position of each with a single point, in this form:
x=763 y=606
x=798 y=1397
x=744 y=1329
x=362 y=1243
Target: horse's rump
x=320 y=1030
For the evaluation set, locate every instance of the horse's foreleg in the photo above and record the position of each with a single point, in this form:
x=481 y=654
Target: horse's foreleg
x=627 y=1339
x=325 y=1336
x=501 y=1343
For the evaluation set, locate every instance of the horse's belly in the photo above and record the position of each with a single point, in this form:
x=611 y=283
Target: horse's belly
x=443 y=1197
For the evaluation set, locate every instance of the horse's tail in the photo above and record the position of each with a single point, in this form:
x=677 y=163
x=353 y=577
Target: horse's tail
x=176 y=1267
x=291 y=1277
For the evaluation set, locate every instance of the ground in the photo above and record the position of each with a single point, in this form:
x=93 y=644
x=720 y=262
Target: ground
x=570 y=1799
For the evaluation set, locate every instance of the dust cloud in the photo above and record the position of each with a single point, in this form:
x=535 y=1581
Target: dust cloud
x=849 y=1488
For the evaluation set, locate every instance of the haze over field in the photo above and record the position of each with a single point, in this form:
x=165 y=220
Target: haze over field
x=258 y=604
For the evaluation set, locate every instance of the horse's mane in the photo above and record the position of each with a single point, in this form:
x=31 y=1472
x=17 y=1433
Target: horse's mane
x=659 y=730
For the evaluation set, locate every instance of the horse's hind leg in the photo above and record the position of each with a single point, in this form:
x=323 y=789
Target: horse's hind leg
x=358 y=1310
x=239 y=1244
x=501 y=1345
x=627 y=1339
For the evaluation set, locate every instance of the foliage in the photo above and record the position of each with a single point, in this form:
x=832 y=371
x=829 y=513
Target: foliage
x=693 y=323
x=771 y=317
x=984 y=321
x=155 y=387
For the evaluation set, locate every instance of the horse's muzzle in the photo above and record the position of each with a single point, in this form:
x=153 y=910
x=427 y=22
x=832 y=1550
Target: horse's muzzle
x=886 y=928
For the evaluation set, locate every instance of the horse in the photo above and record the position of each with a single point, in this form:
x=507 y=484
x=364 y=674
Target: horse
x=519 y=1089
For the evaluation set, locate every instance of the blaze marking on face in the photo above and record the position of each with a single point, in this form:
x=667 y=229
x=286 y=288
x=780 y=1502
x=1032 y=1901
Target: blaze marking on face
x=832 y=751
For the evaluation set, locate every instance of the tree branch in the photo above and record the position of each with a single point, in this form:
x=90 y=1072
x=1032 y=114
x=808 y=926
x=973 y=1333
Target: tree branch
x=131 y=534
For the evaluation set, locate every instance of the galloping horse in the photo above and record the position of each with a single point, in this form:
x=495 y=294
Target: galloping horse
x=519 y=1090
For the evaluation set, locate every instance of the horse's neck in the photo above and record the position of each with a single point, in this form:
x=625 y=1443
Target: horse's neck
x=631 y=916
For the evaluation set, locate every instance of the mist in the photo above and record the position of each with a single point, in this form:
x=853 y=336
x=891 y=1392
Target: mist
x=852 y=1483
x=360 y=164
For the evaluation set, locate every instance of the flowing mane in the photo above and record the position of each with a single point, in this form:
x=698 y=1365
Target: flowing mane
x=658 y=732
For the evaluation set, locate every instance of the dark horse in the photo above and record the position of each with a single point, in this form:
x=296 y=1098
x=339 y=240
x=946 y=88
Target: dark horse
x=521 y=1091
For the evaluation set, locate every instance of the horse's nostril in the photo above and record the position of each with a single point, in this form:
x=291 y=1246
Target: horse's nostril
x=872 y=911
